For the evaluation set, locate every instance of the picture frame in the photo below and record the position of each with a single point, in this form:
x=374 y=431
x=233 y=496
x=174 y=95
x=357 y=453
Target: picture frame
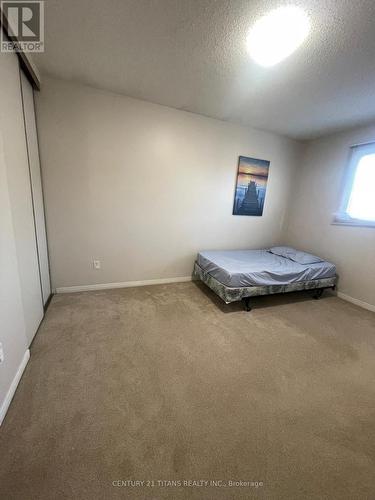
x=251 y=186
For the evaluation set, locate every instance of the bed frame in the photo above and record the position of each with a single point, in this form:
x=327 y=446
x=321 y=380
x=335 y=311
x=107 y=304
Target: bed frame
x=229 y=294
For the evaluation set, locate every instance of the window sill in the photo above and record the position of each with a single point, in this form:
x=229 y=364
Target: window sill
x=353 y=222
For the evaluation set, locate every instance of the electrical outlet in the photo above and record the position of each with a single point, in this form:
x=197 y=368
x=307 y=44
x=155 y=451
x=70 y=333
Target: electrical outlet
x=96 y=264
x=1 y=353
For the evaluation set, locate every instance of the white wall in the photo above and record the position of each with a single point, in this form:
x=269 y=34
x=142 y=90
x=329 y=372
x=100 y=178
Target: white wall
x=314 y=202
x=143 y=187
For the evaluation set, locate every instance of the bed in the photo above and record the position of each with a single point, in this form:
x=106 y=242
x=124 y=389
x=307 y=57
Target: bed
x=241 y=274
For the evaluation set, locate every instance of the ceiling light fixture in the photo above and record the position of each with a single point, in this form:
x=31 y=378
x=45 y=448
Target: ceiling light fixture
x=276 y=35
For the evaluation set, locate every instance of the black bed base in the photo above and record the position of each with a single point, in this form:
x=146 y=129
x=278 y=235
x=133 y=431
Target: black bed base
x=318 y=292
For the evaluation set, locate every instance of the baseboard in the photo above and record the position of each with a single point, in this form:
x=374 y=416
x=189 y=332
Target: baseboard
x=13 y=386
x=48 y=301
x=357 y=302
x=123 y=284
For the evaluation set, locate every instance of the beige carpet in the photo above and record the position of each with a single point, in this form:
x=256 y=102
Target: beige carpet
x=166 y=383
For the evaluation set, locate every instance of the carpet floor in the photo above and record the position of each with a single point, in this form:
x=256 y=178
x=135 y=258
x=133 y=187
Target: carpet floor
x=169 y=386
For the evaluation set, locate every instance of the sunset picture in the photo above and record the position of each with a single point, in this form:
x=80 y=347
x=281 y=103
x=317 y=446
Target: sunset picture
x=252 y=177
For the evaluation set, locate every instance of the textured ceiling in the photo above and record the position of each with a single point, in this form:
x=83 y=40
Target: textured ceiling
x=191 y=55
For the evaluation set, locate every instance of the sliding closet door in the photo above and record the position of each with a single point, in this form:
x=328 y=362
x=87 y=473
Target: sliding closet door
x=36 y=185
x=12 y=327
x=18 y=177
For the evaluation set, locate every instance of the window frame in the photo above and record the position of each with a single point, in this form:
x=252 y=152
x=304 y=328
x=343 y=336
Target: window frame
x=342 y=217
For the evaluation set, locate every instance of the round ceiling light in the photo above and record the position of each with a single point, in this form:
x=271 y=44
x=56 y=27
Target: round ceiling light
x=276 y=35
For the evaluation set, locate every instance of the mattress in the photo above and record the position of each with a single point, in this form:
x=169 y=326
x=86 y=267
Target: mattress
x=239 y=268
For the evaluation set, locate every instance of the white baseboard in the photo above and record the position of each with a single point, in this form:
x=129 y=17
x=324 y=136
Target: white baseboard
x=123 y=284
x=357 y=302
x=13 y=386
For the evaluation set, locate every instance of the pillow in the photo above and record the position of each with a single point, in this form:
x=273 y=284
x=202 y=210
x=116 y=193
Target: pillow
x=283 y=251
x=305 y=258
x=296 y=255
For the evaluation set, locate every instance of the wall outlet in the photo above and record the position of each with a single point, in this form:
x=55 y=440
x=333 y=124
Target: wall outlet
x=96 y=264
x=1 y=353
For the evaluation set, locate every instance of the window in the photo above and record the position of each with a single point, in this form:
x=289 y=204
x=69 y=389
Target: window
x=358 y=202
